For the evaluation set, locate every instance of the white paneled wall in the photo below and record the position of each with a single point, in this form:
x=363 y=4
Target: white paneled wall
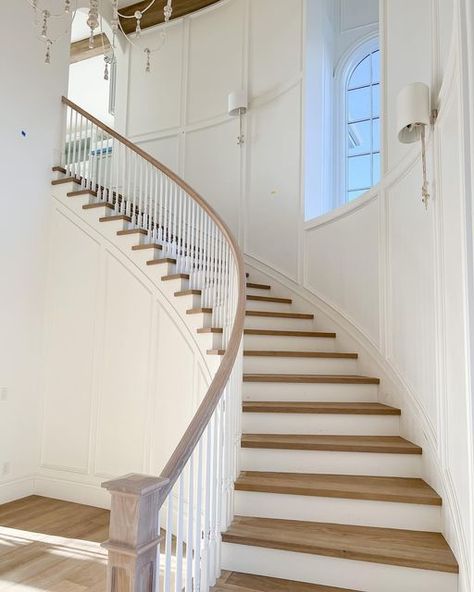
x=397 y=272
x=178 y=112
x=122 y=374
x=387 y=269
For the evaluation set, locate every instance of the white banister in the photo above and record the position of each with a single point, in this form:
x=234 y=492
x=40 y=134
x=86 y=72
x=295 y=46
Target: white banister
x=194 y=492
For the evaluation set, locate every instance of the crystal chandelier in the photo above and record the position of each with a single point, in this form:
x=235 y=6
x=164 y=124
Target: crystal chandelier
x=44 y=14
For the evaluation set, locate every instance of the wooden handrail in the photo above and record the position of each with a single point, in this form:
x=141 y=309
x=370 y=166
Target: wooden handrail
x=195 y=430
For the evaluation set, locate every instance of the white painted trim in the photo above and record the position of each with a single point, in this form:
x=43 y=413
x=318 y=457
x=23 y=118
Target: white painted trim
x=16 y=489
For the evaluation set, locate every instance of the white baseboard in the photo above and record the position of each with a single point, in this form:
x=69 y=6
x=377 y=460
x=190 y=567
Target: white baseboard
x=72 y=491
x=16 y=489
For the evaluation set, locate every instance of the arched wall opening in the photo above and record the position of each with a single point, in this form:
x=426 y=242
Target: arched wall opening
x=335 y=37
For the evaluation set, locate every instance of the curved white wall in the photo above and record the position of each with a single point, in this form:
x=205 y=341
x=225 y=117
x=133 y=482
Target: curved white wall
x=391 y=272
x=122 y=373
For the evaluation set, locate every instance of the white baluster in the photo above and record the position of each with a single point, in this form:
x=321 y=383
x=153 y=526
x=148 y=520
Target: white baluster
x=198 y=514
x=179 y=536
x=189 y=534
x=169 y=543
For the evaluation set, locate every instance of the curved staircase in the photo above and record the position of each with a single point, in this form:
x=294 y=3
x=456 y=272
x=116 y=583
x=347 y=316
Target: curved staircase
x=329 y=497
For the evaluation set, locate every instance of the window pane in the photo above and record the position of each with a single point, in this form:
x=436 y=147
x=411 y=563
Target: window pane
x=361 y=74
x=358 y=104
x=360 y=172
x=354 y=194
x=376 y=135
x=358 y=138
x=376 y=165
x=376 y=100
x=376 y=66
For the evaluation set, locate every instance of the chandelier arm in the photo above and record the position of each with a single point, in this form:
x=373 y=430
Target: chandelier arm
x=131 y=16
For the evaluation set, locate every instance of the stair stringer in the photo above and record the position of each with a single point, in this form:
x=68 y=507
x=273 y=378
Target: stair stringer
x=393 y=390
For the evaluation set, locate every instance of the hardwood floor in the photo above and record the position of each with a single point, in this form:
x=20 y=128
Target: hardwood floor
x=51 y=545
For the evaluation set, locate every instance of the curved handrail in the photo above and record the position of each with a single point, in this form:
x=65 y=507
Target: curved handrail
x=198 y=424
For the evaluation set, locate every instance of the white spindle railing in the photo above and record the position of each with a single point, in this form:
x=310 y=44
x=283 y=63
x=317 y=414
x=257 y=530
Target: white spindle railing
x=194 y=491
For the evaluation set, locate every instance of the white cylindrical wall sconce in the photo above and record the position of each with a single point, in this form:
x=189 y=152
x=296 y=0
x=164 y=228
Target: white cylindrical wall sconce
x=413 y=115
x=237 y=105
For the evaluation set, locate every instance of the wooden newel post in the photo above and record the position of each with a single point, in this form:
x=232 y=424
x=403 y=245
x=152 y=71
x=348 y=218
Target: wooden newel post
x=134 y=533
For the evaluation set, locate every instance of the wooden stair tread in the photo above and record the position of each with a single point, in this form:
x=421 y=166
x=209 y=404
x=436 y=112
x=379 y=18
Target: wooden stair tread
x=258 y=286
x=98 y=204
x=59 y=169
x=318 y=407
x=312 y=378
x=283 y=333
x=300 y=354
x=205 y=330
x=115 y=218
x=65 y=180
x=82 y=192
x=128 y=231
x=175 y=276
x=378 y=444
x=417 y=549
x=161 y=261
x=389 y=489
x=240 y=582
x=269 y=299
x=147 y=246
x=279 y=315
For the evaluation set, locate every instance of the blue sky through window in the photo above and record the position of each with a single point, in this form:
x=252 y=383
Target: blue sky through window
x=363 y=126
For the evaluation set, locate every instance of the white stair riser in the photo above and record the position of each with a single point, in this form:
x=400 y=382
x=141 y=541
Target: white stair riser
x=198 y=321
x=127 y=241
x=92 y=215
x=60 y=191
x=331 y=462
x=78 y=201
x=289 y=365
x=264 y=305
x=278 y=323
x=260 y=292
x=110 y=228
x=209 y=341
x=171 y=286
x=312 y=423
x=288 y=391
x=142 y=256
x=333 y=571
x=286 y=343
x=338 y=510
x=160 y=270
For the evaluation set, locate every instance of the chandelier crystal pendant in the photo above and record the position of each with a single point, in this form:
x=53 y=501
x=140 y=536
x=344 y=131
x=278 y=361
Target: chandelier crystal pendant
x=43 y=17
x=93 y=20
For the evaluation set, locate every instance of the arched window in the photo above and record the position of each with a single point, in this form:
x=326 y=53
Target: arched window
x=362 y=122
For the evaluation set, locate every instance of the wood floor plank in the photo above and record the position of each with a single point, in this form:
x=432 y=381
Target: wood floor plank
x=318 y=407
x=379 y=444
x=390 y=489
x=422 y=550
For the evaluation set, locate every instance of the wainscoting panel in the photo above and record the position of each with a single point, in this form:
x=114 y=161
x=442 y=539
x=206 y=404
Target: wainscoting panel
x=71 y=328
